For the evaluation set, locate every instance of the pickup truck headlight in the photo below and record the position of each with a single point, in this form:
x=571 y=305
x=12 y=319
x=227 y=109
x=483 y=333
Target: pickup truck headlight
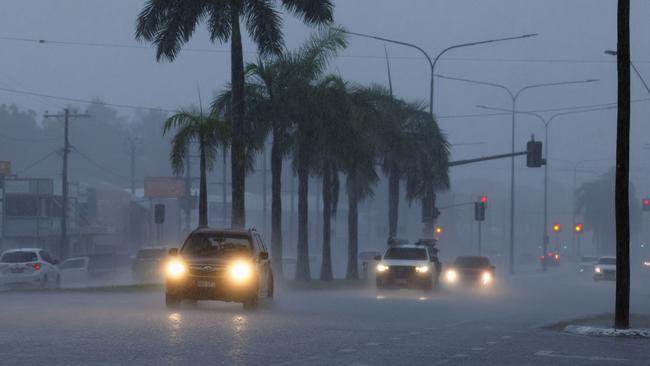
x=422 y=269
x=598 y=270
x=382 y=268
x=175 y=269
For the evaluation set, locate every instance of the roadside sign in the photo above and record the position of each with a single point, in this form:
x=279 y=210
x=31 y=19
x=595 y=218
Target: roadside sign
x=164 y=187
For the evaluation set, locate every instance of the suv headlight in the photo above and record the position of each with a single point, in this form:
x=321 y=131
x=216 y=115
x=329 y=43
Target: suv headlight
x=486 y=278
x=175 y=269
x=241 y=271
x=598 y=269
x=382 y=268
x=422 y=269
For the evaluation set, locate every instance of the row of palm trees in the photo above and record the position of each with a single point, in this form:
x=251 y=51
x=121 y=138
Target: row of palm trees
x=328 y=128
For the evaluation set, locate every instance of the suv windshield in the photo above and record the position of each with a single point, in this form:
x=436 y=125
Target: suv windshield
x=607 y=261
x=216 y=246
x=406 y=254
x=472 y=262
x=19 y=257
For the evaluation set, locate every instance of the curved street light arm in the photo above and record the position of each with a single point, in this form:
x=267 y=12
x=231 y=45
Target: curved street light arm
x=554 y=84
x=393 y=41
x=469 y=44
x=478 y=83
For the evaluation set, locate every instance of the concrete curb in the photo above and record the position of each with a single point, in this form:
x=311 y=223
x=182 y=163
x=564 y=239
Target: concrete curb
x=607 y=332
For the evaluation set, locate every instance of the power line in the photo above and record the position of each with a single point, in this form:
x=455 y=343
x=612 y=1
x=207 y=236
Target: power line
x=17 y=139
x=30 y=166
x=97 y=165
x=222 y=51
x=83 y=101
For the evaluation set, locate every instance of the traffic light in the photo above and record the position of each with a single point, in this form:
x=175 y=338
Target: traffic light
x=534 y=154
x=439 y=230
x=484 y=199
x=557 y=227
x=579 y=228
x=479 y=209
x=646 y=204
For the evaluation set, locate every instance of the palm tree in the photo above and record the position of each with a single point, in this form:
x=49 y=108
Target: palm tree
x=623 y=169
x=280 y=81
x=427 y=168
x=332 y=117
x=210 y=133
x=169 y=24
x=359 y=164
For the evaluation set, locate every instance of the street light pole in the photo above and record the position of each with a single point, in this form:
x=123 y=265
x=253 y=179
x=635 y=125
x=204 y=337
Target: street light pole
x=546 y=122
x=514 y=97
x=432 y=63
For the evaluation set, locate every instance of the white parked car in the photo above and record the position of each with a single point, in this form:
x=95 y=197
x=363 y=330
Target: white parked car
x=29 y=267
x=605 y=269
x=74 y=270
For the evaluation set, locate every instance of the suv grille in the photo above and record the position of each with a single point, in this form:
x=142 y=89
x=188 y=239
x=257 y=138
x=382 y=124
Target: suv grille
x=207 y=270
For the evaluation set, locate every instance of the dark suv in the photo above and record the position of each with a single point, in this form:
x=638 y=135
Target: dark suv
x=225 y=265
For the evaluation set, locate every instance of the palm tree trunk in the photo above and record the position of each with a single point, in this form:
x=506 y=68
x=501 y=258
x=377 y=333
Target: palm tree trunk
x=276 y=203
x=326 y=267
x=622 y=317
x=353 y=227
x=303 y=273
x=238 y=153
x=393 y=202
x=203 y=189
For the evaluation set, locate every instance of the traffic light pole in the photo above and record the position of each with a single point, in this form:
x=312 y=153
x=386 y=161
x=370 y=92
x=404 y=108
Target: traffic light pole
x=479 y=238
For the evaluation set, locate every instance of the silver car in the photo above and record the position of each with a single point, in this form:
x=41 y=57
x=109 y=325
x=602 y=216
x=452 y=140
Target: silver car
x=29 y=267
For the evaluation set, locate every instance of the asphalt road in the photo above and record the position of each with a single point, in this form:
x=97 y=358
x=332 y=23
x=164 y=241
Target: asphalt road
x=449 y=327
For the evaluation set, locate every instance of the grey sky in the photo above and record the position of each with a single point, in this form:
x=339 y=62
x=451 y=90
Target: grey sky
x=573 y=35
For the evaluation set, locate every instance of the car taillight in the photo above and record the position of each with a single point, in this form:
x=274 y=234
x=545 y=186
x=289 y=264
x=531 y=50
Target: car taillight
x=36 y=266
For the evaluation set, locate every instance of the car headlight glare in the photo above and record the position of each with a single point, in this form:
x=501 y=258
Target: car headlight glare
x=646 y=263
x=382 y=268
x=451 y=276
x=598 y=270
x=422 y=269
x=241 y=271
x=176 y=269
x=486 y=278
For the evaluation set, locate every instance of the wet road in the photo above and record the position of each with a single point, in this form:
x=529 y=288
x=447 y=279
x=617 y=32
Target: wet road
x=454 y=327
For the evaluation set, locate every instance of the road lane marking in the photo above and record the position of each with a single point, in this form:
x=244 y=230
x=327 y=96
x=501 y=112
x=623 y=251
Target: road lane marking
x=348 y=350
x=477 y=349
x=372 y=344
x=460 y=355
x=395 y=338
x=491 y=342
x=506 y=337
x=576 y=357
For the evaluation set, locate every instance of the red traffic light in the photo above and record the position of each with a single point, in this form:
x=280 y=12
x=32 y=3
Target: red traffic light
x=646 y=201
x=579 y=228
x=557 y=227
x=484 y=199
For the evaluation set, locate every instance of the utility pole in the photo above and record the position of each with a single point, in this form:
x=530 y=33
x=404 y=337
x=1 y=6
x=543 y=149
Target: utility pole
x=132 y=140
x=188 y=191
x=63 y=250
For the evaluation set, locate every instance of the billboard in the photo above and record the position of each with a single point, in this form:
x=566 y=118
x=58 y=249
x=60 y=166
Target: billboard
x=164 y=187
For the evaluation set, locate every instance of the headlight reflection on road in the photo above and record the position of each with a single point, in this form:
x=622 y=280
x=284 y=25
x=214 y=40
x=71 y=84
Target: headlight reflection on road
x=175 y=323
